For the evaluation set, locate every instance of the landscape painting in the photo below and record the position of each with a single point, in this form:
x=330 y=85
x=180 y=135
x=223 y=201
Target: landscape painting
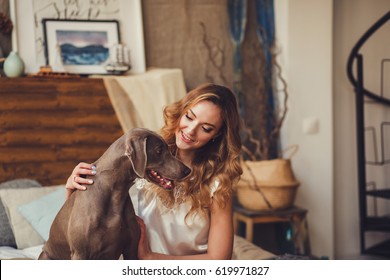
x=79 y=46
x=83 y=47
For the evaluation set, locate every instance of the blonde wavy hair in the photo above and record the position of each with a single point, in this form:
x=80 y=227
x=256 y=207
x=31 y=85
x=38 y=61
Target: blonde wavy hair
x=218 y=159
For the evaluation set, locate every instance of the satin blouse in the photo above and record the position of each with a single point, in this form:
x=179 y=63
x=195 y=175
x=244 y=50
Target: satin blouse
x=168 y=231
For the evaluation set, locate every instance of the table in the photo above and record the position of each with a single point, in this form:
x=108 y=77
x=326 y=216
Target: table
x=295 y=216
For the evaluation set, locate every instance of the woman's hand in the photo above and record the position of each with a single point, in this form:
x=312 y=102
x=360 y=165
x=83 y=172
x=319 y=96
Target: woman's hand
x=144 y=252
x=75 y=182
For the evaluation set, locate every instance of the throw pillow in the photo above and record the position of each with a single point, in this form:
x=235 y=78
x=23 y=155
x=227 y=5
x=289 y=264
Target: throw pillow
x=245 y=250
x=6 y=235
x=25 y=235
x=41 y=212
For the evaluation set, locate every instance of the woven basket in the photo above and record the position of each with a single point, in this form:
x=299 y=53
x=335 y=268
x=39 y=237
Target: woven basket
x=267 y=185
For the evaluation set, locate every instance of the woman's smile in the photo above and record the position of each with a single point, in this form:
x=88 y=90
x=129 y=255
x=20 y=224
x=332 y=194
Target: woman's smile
x=186 y=138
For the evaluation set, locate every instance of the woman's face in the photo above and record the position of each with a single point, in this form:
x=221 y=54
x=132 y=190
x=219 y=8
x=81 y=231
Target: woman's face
x=198 y=126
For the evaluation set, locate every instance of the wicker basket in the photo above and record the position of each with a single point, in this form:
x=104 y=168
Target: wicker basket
x=267 y=185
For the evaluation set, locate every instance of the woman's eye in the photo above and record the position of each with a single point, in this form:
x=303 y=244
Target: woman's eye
x=206 y=129
x=188 y=117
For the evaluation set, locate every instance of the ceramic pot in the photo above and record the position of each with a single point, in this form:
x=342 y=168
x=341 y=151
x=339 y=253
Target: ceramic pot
x=13 y=65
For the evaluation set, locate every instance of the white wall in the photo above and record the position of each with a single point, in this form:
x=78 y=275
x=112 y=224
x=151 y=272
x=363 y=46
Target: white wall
x=304 y=33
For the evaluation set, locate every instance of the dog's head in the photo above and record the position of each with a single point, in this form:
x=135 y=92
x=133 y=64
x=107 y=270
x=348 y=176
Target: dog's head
x=151 y=159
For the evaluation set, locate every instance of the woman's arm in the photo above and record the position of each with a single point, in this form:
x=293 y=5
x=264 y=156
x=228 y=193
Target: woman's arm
x=220 y=243
x=220 y=239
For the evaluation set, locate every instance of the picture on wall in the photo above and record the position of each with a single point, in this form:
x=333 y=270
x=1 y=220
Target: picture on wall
x=28 y=37
x=79 y=46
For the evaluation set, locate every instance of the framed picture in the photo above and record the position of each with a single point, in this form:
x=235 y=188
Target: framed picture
x=28 y=34
x=79 y=46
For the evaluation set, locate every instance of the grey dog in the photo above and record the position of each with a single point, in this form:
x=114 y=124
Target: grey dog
x=100 y=223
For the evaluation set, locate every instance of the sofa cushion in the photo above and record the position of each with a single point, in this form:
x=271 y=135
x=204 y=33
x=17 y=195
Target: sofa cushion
x=41 y=212
x=245 y=250
x=7 y=237
x=25 y=234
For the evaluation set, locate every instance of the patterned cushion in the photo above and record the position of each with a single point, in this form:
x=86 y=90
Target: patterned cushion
x=7 y=237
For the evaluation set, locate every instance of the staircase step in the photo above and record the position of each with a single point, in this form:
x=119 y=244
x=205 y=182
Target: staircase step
x=385 y=193
x=378 y=223
x=382 y=248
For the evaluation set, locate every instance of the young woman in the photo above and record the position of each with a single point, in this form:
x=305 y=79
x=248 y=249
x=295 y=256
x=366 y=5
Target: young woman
x=194 y=221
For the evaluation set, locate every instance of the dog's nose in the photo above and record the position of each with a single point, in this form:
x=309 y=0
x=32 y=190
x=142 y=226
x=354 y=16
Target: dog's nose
x=186 y=171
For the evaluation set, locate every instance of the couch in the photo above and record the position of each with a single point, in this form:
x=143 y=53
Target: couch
x=27 y=210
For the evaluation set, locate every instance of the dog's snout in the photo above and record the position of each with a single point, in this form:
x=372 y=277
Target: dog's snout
x=186 y=171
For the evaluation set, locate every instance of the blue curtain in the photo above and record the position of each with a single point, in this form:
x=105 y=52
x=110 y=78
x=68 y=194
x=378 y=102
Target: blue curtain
x=237 y=19
x=266 y=33
x=237 y=10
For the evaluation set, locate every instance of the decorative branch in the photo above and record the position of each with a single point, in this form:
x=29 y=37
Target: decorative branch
x=279 y=119
x=267 y=139
x=214 y=55
x=211 y=58
x=260 y=145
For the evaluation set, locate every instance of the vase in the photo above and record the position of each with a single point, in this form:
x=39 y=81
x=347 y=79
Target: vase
x=13 y=65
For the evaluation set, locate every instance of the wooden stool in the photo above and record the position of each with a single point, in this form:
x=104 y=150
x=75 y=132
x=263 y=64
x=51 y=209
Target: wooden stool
x=296 y=216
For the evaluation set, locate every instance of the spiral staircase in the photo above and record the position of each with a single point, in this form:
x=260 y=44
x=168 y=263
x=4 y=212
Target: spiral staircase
x=371 y=221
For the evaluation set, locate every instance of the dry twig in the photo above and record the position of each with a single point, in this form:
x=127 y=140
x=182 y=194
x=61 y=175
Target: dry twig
x=266 y=139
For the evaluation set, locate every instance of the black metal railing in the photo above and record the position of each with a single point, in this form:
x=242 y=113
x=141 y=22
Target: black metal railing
x=369 y=222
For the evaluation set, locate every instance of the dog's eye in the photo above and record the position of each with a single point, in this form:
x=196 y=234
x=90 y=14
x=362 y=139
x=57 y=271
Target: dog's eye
x=158 y=150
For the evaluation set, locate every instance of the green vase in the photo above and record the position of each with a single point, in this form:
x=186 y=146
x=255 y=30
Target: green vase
x=13 y=65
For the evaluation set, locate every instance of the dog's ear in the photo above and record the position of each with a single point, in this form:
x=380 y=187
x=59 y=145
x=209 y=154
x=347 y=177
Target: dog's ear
x=136 y=152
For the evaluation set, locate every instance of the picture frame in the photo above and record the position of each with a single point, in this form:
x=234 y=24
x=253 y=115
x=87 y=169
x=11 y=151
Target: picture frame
x=27 y=34
x=79 y=46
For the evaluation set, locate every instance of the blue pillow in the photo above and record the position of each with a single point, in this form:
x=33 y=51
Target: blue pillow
x=41 y=212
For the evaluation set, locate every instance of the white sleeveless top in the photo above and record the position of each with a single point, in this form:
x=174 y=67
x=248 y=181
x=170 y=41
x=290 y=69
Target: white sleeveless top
x=168 y=231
